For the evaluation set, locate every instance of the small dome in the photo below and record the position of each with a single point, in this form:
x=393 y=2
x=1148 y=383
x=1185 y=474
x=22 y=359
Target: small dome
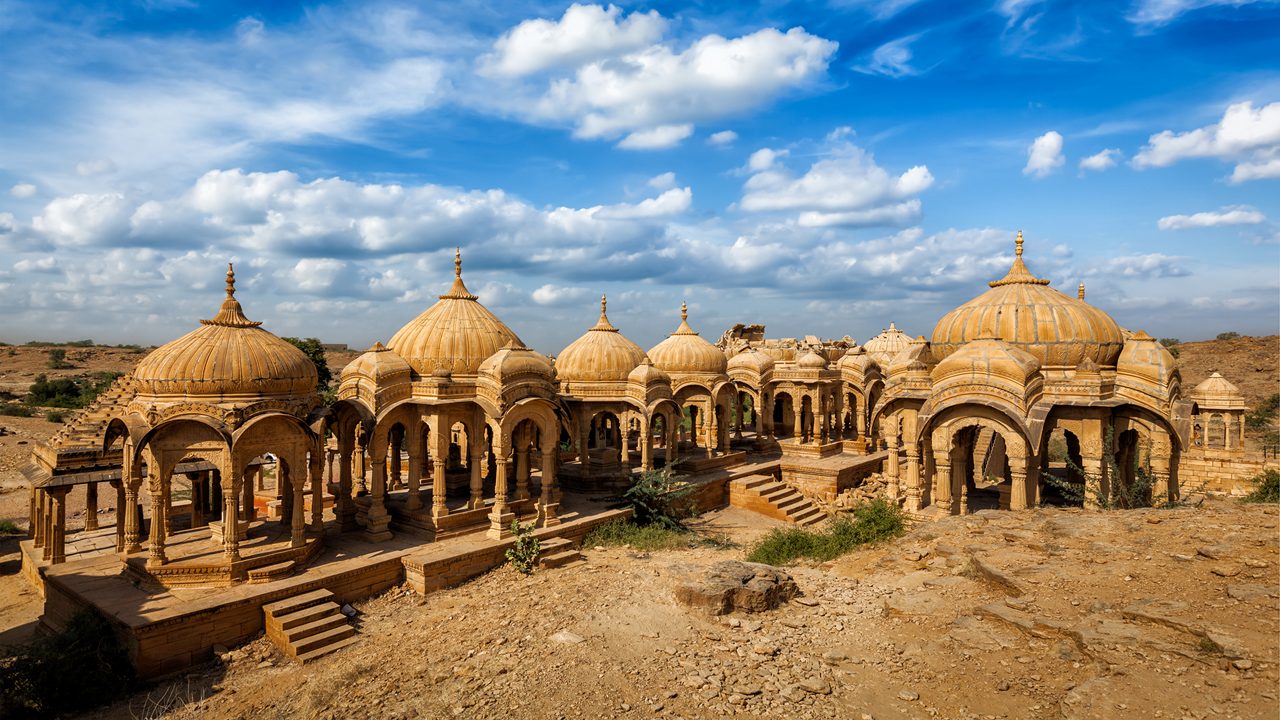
x=988 y=357
x=888 y=343
x=379 y=364
x=1217 y=392
x=915 y=356
x=229 y=355
x=684 y=352
x=853 y=358
x=602 y=354
x=647 y=374
x=812 y=361
x=1024 y=311
x=1145 y=358
x=514 y=361
x=751 y=359
x=456 y=334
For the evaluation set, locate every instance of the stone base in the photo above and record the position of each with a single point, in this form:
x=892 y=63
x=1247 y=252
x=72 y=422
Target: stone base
x=500 y=525
x=218 y=535
x=792 y=448
x=703 y=463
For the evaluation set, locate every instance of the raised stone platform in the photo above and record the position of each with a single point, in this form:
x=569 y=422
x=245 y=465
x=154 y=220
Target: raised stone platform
x=826 y=477
x=700 y=464
x=791 y=447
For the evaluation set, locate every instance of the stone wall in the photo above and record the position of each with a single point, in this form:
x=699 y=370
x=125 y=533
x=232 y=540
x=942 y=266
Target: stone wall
x=1220 y=471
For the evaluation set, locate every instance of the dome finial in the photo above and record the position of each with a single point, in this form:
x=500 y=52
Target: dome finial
x=231 y=281
x=1017 y=250
x=231 y=314
x=684 y=311
x=457 y=262
x=604 y=304
x=1080 y=290
x=459 y=289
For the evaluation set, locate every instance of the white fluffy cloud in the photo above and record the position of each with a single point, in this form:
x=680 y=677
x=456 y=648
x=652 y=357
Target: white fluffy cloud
x=658 y=87
x=1044 y=155
x=1150 y=265
x=845 y=188
x=1100 y=161
x=671 y=202
x=656 y=138
x=892 y=59
x=1246 y=135
x=550 y=294
x=584 y=33
x=722 y=138
x=1237 y=215
x=23 y=190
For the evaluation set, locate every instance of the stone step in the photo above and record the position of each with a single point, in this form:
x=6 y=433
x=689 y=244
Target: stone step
x=319 y=640
x=553 y=545
x=321 y=652
x=777 y=492
x=302 y=617
x=755 y=481
x=297 y=634
x=268 y=573
x=812 y=516
x=559 y=559
x=297 y=602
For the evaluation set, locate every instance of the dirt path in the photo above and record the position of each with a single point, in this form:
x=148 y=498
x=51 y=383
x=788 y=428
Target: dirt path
x=1047 y=613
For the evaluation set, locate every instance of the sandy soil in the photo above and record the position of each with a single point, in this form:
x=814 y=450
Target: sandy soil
x=1044 y=613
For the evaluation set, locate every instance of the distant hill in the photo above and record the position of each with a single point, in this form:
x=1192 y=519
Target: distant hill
x=1250 y=363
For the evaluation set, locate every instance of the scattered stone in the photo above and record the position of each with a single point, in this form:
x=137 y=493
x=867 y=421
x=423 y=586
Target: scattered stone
x=1259 y=564
x=1215 y=552
x=793 y=693
x=1242 y=664
x=834 y=658
x=1226 y=570
x=568 y=638
x=815 y=685
x=732 y=585
x=1249 y=591
x=806 y=601
x=909 y=696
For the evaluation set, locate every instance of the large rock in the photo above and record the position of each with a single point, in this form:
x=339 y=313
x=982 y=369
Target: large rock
x=733 y=585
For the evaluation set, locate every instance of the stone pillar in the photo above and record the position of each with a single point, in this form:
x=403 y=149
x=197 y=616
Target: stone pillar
x=47 y=524
x=1160 y=488
x=942 y=480
x=797 y=409
x=500 y=517
x=960 y=472
x=397 y=447
x=247 y=497
x=1093 y=481
x=231 y=493
x=156 y=556
x=377 y=519
x=91 y=506
x=889 y=429
x=439 y=487
x=357 y=468
x=297 y=488
x=913 y=476
x=198 y=499
x=646 y=446
x=317 y=494
x=330 y=481
x=132 y=517
x=37 y=518
x=120 y=513
x=522 y=473
x=475 y=466
x=59 y=538
x=343 y=506
x=1018 y=483
x=166 y=493
x=414 y=499
x=550 y=501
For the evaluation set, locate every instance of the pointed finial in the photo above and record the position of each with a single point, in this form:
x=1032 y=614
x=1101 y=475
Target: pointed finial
x=684 y=311
x=1080 y=290
x=1018 y=245
x=457 y=262
x=604 y=302
x=231 y=281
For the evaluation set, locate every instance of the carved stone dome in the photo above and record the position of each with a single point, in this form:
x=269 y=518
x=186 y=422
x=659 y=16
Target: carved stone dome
x=228 y=357
x=1025 y=312
x=988 y=357
x=883 y=347
x=812 y=361
x=753 y=360
x=516 y=361
x=601 y=354
x=380 y=364
x=456 y=334
x=684 y=352
x=646 y=374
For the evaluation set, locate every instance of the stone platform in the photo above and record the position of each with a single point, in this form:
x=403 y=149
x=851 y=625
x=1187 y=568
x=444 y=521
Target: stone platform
x=826 y=477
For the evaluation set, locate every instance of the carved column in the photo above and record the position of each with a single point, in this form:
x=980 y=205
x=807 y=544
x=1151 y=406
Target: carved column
x=59 y=539
x=357 y=467
x=522 y=472
x=120 y=512
x=474 y=465
x=500 y=518
x=246 y=497
x=439 y=487
x=37 y=518
x=377 y=519
x=232 y=495
x=1161 y=460
x=317 y=494
x=156 y=556
x=414 y=499
x=889 y=429
x=1018 y=483
x=550 y=501
x=646 y=445
x=47 y=524
x=132 y=517
x=343 y=506
x=91 y=506
x=913 y=476
x=942 y=479
x=297 y=488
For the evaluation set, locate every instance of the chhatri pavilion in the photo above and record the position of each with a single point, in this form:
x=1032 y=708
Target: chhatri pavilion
x=229 y=467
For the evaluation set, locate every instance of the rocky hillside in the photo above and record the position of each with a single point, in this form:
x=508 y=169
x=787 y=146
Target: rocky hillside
x=1250 y=363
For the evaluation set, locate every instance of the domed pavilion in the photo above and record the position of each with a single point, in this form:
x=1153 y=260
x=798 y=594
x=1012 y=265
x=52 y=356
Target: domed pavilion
x=700 y=386
x=1021 y=382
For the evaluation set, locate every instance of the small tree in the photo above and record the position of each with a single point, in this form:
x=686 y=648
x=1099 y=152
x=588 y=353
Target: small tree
x=658 y=497
x=523 y=554
x=58 y=359
x=1229 y=335
x=314 y=350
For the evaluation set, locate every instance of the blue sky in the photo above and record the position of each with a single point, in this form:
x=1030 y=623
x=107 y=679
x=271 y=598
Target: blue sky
x=821 y=167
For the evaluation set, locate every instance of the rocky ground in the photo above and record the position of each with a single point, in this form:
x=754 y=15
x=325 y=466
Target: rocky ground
x=1045 y=613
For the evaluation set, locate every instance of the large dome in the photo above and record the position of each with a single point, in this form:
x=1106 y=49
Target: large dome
x=601 y=354
x=684 y=352
x=456 y=334
x=229 y=355
x=883 y=347
x=1022 y=310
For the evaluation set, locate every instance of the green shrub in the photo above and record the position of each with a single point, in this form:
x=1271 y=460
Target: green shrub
x=58 y=359
x=523 y=555
x=1229 y=335
x=1266 y=487
x=15 y=410
x=1263 y=415
x=80 y=343
x=75 y=670
x=54 y=416
x=649 y=538
x=314 y=351
x=69 y=392
x=9 y=527
x=870 y=523
x=1170 y=342
x=658 y=497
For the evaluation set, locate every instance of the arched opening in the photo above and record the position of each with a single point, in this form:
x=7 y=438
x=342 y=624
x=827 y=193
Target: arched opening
x=783 y=415
x=1061 y=467
x=1216 y=432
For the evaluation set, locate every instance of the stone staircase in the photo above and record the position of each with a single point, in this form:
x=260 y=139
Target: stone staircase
x=557 y=552
x=85 y=428
x=308 y=626
x=767 y=496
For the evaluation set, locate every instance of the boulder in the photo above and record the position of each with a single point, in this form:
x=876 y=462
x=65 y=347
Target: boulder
x=732 y=585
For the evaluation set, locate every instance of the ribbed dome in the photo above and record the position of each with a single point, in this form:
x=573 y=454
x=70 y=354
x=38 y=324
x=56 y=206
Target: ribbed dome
x=812 y=361
x=988 y=356
x=1025 y=312
x=601 y=354
x=883 y=347
x=685 y=352
x=753 y=360
x=379 y=363
x=228 y=355
x=1217 y=393
x=456 y=334
x=646 y=374
x=515 y=361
